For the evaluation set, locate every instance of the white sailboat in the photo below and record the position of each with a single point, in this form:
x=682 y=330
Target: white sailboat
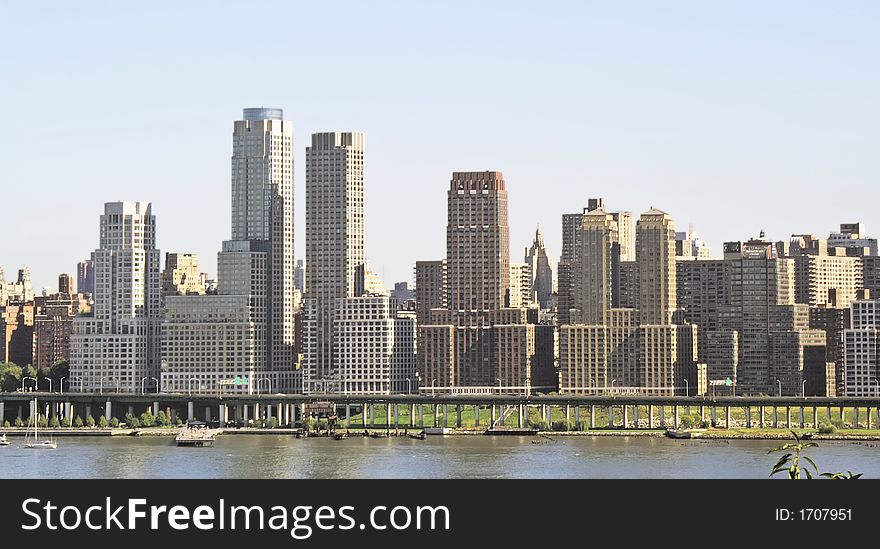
x=3 y=441
x=36 y=442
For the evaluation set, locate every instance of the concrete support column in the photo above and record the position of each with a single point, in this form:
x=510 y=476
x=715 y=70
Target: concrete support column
x=856 y=417
x=842 y=414
x=592 y=416
x=421 y=416
x=748 y=417
x=396 y=416
x=446 y=415
x=727 y=417
x=788 y=417
x=2 y=411
x=828 y=414
x=803 y=418
x=387 y=415
x=714 y=415
x=348 y=416
x=867 y=413
x=155 y=408
x=492 y=417
x=815 y=418
x=520 y=416
x=544 y=414
x=675 y=416
x=244 y=413
x=458 y=416
x=68 y=411
x=636 y=416
x=567 y=415
x=662 y=416
x=610 y=416
x=33 y=410
x=372 y=415
x=702 y=412
x=775 y=417
x=761 y=411
x=268 y=411
x=476 y=415
x=625 y=416
x=436 y=415
x=577 y=418
x=108 y=410
x=650 y=416
x=221 y=414
x=207 y=414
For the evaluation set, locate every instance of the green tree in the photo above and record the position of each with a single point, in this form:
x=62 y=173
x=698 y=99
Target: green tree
x=162 y=419
x=18 y=422
x=54 y=423
x=78 y=422
x=6 y=424
x=147 y=419
x=66 y=422
x=114 y=422
x=90 y=421
x=273 y=422
x=43 y=422
x=102 y=422
x=132 y=421
x=10 y=377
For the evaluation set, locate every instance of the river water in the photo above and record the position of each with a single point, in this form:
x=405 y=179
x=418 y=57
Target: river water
x=279 y=456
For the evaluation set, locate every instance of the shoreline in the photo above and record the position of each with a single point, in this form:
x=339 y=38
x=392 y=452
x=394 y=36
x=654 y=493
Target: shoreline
x=712 y=434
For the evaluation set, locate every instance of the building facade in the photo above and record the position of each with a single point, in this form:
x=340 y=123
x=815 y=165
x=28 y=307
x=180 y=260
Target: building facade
x=119 y=344
x=334 y=247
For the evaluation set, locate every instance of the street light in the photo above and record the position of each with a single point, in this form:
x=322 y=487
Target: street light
x=612 y=386
x=49 y=379
x=780 y=387
x=79 y=384
x=189 y=385
x=61 y=383
x=143 y=381
x=804 y=388
x=432 y=387
x=101 y=386
x=408 y=386
x=499 y=384
x=28 y=377
x=687 y=388
x=157 y=384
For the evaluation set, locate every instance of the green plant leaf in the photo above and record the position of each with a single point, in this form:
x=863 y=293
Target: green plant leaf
x=811 y=462
x=808 y=473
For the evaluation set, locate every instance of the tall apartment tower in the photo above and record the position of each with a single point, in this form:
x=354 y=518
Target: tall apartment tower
x=120 y=341
x=862 y=348
x=655 y=253
x=596 y=271
x=477 y=242
x=334 y=246
x=85 y=276
x=541 y=270
x=262 y=214
x=430 y=288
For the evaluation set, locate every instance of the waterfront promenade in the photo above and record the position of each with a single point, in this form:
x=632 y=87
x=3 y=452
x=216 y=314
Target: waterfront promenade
x=449 y=410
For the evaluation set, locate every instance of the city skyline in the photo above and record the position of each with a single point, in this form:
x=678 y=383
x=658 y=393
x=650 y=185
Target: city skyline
x=779 y=107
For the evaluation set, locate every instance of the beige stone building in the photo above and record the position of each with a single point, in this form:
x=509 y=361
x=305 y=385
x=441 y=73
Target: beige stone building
x=181 y=275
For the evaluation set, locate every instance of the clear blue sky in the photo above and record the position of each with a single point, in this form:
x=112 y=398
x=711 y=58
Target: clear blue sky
x=733 y=117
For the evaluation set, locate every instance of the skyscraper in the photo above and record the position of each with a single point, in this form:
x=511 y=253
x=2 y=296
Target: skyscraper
x=120 y=341
x=262 y=211
x=541 y=271
x=253 y=309
x=85 y=276
x=477 y=242
x=655 y=258
x=334 y=246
